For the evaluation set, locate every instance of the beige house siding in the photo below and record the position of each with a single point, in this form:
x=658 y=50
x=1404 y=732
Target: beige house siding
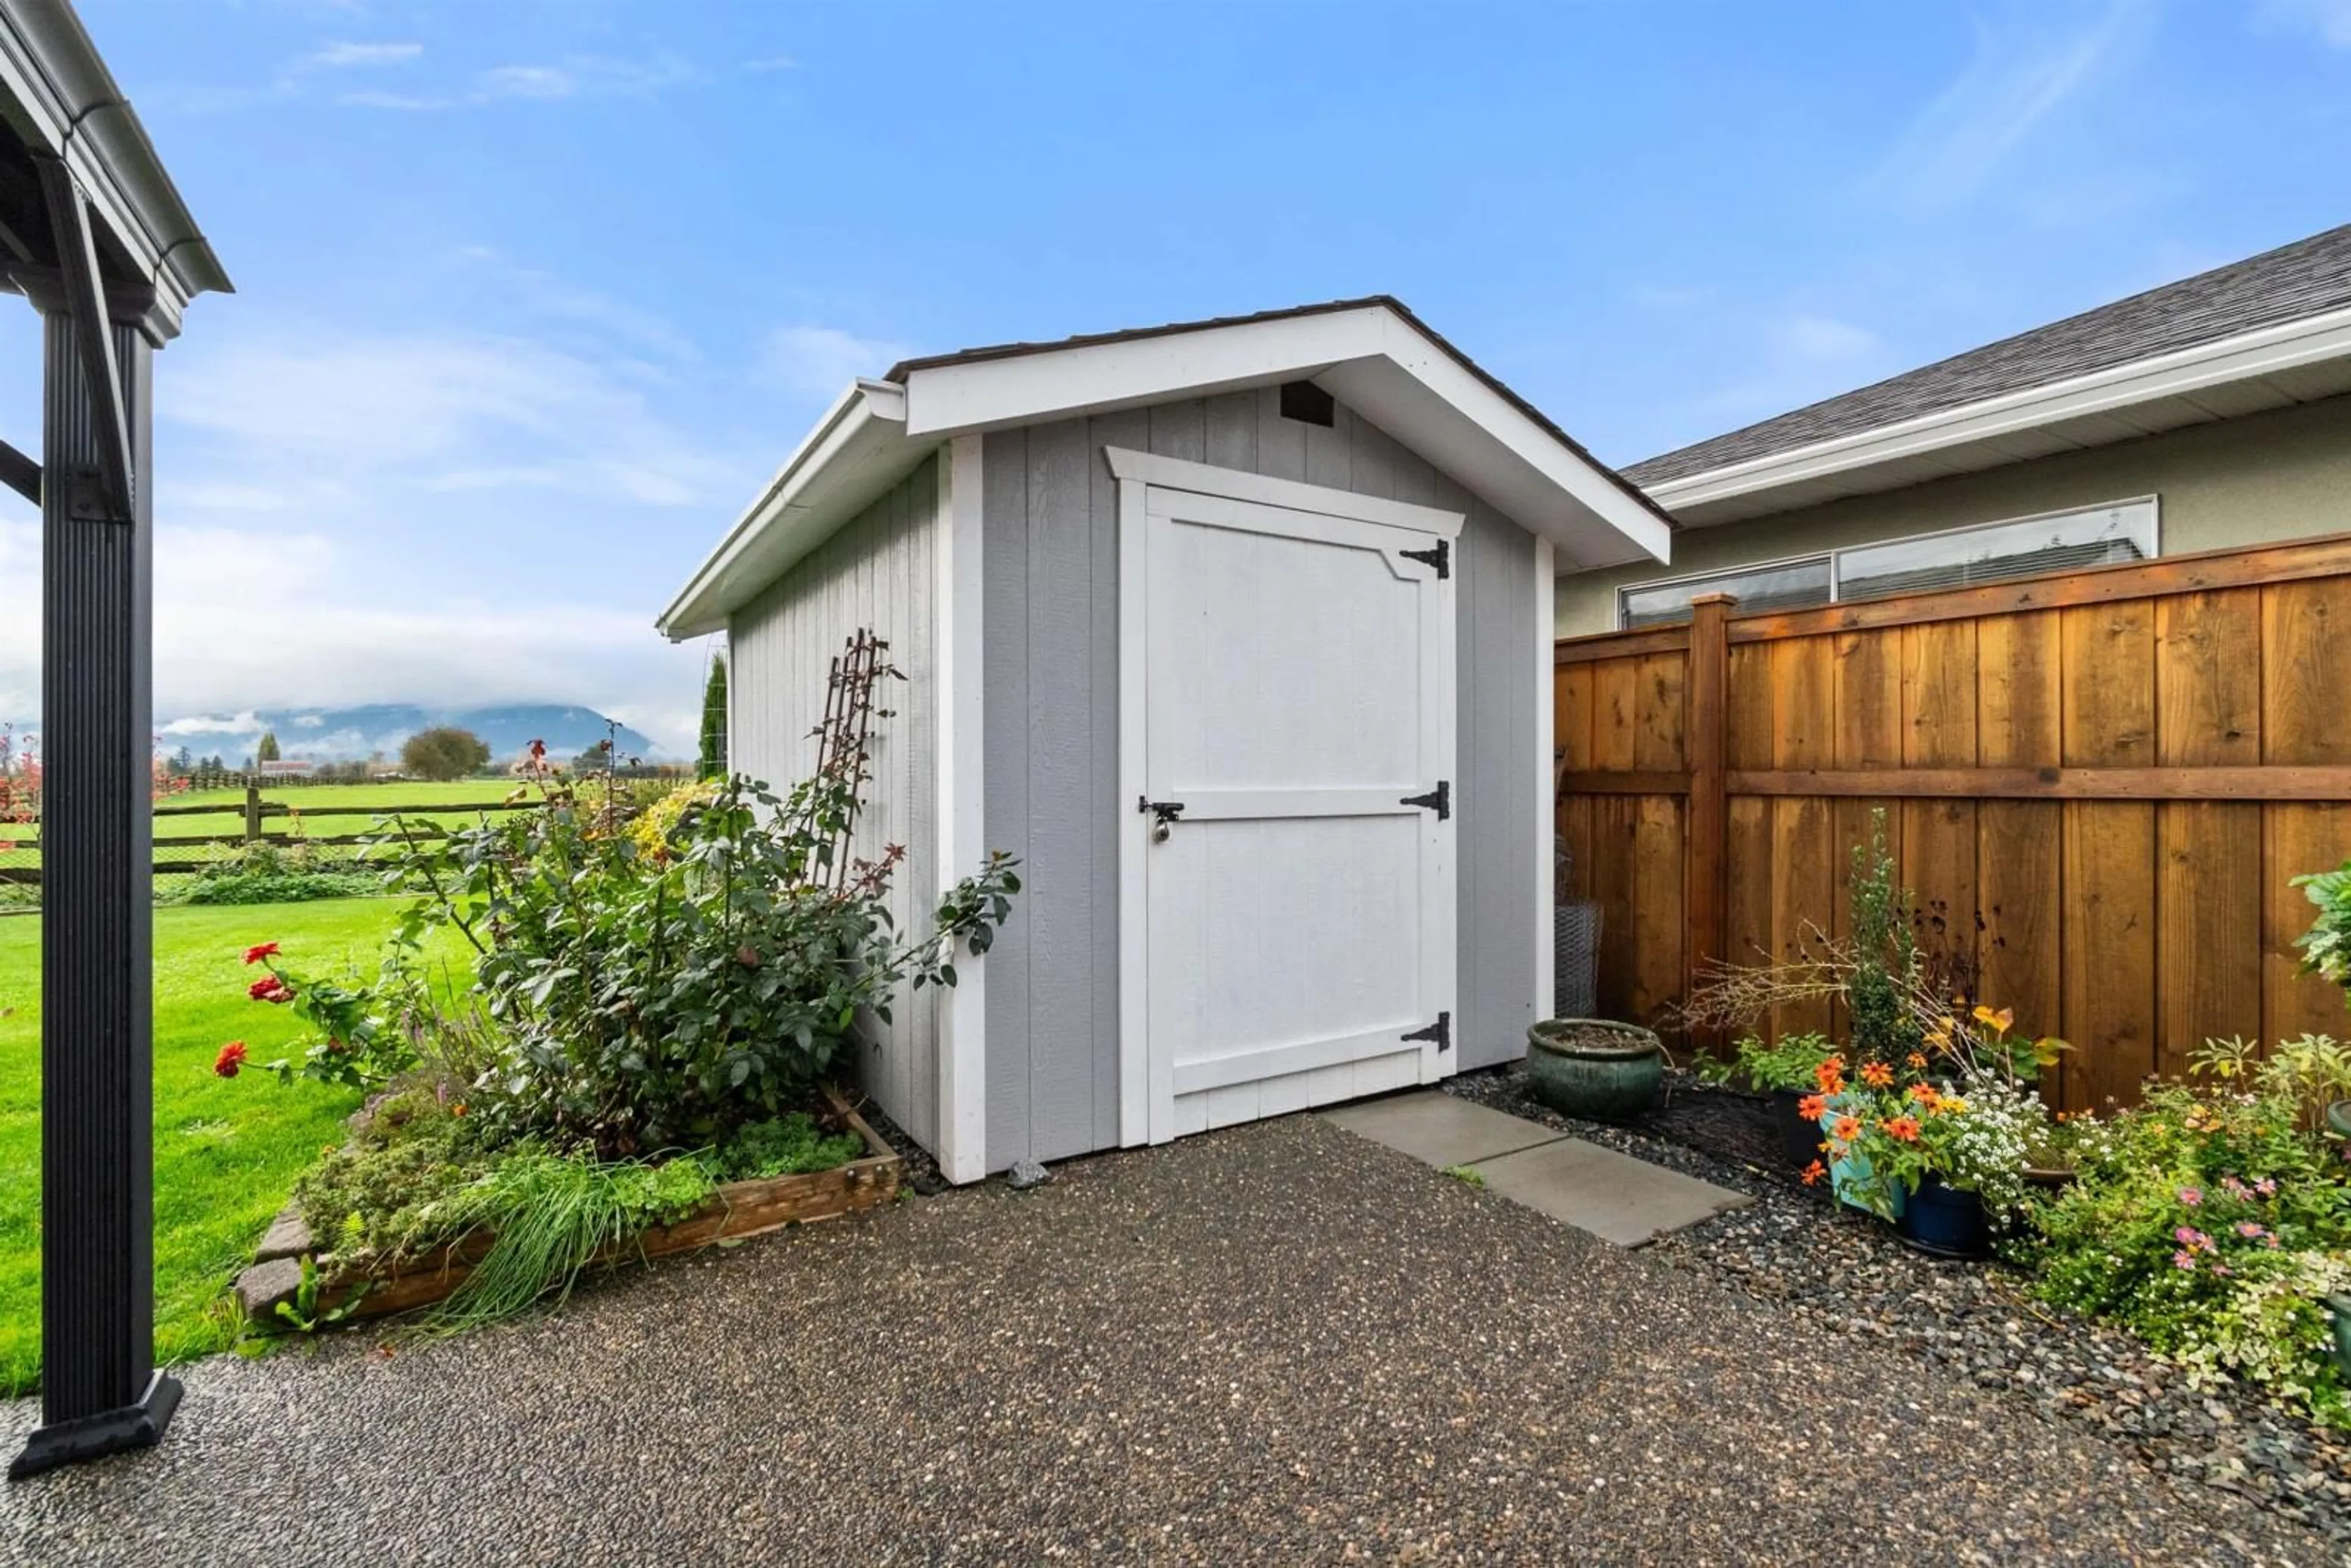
x=2266 y=476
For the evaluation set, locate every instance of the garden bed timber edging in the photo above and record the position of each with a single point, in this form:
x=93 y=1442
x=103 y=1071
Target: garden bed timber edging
x=736 y=1210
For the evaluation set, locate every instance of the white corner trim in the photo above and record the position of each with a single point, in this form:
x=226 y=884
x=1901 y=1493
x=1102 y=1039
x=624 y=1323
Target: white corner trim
x=1134 y=1090
x=1546 y=586
x=962 y=804
x=1143 y=468
x=2266 y=351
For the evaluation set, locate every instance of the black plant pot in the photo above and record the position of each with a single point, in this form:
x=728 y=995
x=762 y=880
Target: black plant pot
x=1799 y=1139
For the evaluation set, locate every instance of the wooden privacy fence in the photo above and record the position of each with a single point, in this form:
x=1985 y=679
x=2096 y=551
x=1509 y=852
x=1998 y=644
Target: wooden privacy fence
x=2117 y=770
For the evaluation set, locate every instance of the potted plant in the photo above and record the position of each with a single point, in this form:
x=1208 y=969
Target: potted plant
x=1594 y=1069
x=1787 y=1074
x=1947 y=1165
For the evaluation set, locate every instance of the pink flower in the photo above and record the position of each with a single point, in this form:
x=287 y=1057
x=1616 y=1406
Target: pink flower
x=2248 y=1229
x=2183 y=1260
x=2266 y=1187
x=2191 y=1196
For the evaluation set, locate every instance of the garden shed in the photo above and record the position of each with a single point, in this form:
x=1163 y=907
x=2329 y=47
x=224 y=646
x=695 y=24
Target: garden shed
x=1238 y=635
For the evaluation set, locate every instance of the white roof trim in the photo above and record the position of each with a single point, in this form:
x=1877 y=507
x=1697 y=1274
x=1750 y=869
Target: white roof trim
x=2266 y=351
x=858 y=446
x=1376 y=361
x=1206 y=479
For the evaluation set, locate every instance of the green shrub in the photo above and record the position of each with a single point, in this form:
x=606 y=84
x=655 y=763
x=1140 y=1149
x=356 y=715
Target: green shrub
x=788 y=1146
x=1792 y=1063
x=279 y=887
x=2213 y=1227
x=662 y=1001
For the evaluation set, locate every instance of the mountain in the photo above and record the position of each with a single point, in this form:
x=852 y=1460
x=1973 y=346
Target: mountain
x=349 y=734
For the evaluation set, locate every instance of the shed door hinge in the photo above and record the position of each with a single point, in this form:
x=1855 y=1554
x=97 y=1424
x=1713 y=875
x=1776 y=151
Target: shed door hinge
x=1441 y=1031
x=1439 y=555
x=1439 y=799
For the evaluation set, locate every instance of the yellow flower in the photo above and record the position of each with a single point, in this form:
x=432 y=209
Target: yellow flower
x=1951 y=1105
x=1999 y=1020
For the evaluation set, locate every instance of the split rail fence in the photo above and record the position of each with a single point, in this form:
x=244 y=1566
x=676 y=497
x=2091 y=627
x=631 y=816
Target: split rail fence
x=2118 y=770
x=178 y=856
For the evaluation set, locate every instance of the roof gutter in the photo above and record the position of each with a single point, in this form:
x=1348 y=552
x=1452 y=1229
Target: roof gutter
x=2266 y=351
x=763 y=535
x=60 y=99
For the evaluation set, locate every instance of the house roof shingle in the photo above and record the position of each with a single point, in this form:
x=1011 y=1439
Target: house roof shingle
x=2308 y=277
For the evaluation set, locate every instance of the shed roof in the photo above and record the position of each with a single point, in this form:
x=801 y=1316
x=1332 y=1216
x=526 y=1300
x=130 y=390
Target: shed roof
x=1372 y=354
x=2305 y=281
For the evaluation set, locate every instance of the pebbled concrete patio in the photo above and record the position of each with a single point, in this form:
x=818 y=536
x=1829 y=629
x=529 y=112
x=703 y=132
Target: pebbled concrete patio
x=1280 y=1344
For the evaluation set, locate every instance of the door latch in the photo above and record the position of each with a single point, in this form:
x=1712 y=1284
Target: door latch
x=1164 y=812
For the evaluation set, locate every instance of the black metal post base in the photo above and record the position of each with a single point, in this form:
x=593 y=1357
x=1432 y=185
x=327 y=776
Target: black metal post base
x=139 y=1425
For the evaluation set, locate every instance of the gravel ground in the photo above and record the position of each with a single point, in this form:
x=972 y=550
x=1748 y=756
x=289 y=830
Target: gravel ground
x=1277 y=1344
x=1845 y=1274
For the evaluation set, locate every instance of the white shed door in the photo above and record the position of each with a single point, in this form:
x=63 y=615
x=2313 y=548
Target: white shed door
x=1298 y=683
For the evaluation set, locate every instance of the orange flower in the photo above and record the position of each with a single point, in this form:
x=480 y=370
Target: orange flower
x=1830 y=1075
x=1903 y=1129
x=1917 y=1060
x=1926 y=1095
x=1812 y=1107
x=1846 y=1129
x=1814 y=1172
x=1877 y=1074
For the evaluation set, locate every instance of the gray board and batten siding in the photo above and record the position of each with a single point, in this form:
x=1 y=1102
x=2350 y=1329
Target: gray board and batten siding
x=878 y=571
x=1050 y=571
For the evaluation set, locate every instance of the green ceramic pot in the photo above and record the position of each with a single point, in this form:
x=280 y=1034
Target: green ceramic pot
x=2338 y=1310
x=1594 y=1069
x=2338 y=1117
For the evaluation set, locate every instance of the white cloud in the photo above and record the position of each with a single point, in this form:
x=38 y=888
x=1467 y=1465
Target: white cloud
x=342 y=56
x=1822 y=339
x=818 y=361
x=584 y=76
x=2329 y=19
x=2019 y=76
x=246 y=621
x=329 y=416
x=771 y=63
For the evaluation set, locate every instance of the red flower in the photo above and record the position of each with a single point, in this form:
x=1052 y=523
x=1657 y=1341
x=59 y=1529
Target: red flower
x=255 y=954
x=270 y=988
x=231 y=1058
x=1814 y=1172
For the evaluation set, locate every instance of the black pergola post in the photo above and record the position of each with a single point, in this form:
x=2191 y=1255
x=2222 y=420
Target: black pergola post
x=100 y=1390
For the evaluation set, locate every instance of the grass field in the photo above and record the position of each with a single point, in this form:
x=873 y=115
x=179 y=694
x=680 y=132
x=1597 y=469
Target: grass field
x=226 y=1150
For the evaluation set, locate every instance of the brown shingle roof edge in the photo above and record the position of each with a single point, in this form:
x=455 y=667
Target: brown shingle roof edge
x=905 y=368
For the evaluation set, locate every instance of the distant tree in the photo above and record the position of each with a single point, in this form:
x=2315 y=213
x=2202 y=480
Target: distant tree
x=267 y=750
x=443 y=752
x=183 y=763
x=712 y=763
x=595 y=759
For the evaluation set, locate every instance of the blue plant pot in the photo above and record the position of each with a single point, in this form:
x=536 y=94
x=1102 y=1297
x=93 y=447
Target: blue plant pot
x=1853 y=1178
x=1940 y=1219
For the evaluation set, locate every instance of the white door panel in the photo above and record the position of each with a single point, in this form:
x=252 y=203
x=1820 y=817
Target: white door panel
x=1298 y=695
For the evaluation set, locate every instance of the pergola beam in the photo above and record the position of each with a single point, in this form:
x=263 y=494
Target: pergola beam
x=86 y=303
x=20 y=474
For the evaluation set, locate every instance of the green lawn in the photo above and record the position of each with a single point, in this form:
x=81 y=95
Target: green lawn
x=413 y=798
x=226 y=1150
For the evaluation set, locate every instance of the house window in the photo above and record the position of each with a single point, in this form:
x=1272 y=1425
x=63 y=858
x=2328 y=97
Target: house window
x=1988 y=552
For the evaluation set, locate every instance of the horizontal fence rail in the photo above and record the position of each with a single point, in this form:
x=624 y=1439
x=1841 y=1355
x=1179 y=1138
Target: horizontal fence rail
x=181 y=856
x=2097 y=785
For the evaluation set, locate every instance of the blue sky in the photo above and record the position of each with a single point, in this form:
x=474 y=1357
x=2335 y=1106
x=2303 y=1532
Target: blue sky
x=534 y=294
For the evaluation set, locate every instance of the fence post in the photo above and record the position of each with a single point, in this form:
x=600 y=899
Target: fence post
x=1706 y=889
x=251 y=812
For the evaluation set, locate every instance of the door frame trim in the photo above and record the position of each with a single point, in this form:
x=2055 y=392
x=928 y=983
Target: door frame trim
x=1141 y=1083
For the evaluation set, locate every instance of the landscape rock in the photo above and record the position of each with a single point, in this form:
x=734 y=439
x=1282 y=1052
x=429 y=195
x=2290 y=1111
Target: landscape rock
x=1028 y=1173
x=288 y=1236
x=260 y=1288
